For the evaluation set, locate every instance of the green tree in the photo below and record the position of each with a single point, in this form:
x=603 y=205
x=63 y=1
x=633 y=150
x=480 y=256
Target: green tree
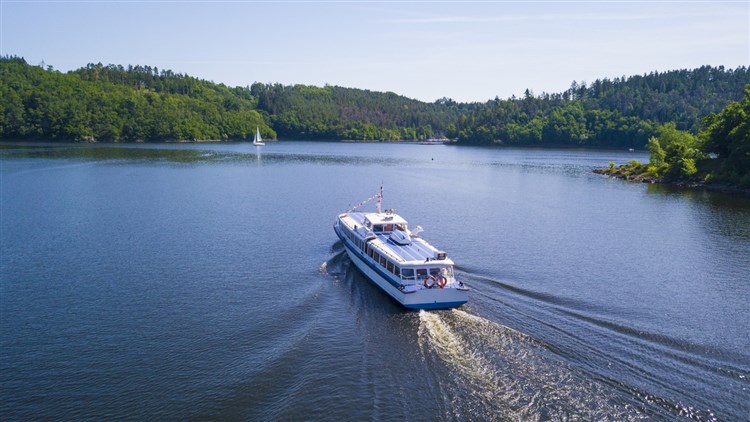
x=727 y=135
x=674 y=153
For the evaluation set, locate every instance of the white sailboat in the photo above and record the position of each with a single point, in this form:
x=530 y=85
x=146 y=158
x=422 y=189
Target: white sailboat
x=258 y=140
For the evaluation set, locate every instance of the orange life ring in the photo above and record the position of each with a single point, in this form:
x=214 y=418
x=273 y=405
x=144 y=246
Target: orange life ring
x=442 y=281
x=431 y=284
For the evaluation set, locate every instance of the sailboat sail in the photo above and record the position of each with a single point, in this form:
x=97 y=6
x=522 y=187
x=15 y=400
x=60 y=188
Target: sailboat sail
x=258 y=140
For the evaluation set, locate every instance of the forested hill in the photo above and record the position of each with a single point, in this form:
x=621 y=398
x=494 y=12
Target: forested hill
x=140 y=103
x=332 y=112
x=112 y=104
x=622 y=112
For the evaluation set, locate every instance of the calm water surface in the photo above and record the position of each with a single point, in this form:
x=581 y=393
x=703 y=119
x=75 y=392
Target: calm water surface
x=206 y=282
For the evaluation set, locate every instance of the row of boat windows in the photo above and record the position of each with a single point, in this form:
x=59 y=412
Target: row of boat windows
x=387 y=228
x=406 y=273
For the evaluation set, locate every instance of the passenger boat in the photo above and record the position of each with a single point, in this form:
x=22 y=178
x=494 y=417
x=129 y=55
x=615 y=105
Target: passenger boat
x=410 y=270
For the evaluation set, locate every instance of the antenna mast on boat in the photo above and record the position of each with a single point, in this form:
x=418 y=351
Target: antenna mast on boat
x=380 y=200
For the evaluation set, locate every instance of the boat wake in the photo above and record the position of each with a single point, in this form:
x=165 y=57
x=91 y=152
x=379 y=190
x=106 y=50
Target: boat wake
x=491 y=371
x=636 y=363
x=500 y=373
x=334 y=266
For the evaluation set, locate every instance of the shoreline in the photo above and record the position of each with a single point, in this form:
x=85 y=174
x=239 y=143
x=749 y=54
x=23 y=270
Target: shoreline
x=351 y=141
x=685 y=184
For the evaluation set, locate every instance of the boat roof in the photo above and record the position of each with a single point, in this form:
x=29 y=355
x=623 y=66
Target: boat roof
x=415 y=253
x=385 y=218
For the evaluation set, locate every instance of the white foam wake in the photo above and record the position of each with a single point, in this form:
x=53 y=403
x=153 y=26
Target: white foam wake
x=501 y=373
x=487 y=392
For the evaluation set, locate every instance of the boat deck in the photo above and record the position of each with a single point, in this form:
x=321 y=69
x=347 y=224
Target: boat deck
x=418 y=251
x=411 y=273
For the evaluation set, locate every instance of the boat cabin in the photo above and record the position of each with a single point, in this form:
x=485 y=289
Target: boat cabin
x=384 y=222
x=385 y=238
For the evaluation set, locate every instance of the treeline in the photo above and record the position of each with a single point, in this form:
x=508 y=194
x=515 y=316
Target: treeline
x=623 y=112
x=718 y=154
x=332 y=112
x=112 y=103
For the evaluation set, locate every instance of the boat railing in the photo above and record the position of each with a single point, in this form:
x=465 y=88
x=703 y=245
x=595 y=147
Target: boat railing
x=418 y=279
x=384 y=251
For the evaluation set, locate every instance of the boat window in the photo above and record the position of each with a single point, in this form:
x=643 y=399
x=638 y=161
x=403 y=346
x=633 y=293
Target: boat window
x=408 y=273
x=389 y=266
x=388 y=228
x=378 y=228
x=382 y=261
x=421 y=272
x=434 y=272
x=397 y=270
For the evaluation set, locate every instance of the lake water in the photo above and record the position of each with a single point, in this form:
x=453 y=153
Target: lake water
x=204 y=281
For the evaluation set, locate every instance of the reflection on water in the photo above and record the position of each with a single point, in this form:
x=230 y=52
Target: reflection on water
x=87 y=152
x=193 y=155
x=722 y=211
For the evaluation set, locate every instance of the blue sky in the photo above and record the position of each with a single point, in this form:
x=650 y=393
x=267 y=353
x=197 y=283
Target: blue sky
x=468 y=51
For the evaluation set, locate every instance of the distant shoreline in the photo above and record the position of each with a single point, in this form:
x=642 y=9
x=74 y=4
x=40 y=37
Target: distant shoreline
x=688 y=184
x=352 y=141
